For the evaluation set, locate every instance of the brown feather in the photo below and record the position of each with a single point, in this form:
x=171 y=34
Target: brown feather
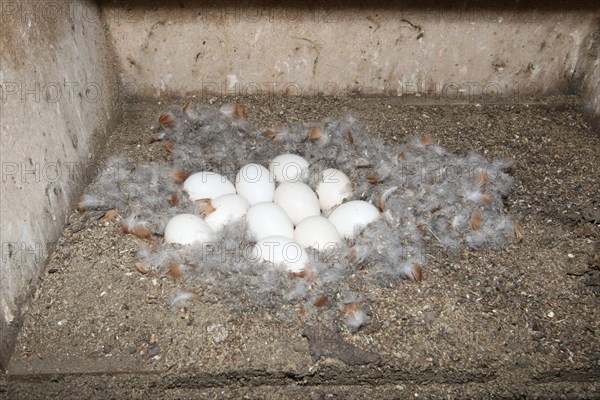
x=417 y=273
x=273 y=132
x=321 y=301
x=142 y=231
x=142 y=267
x=350 y=137
x=270 y=134
x=166 y=119
x=139 y=229
x=168 y=145
x=175 y=270
x=206 y=205
x=174 y=199
x=110 y=215
x=426 y=140
x=305 y=273
x=315 y=134
x=480 y=179
x=350 y=309
x=373 y=178
x=179 y=176
x=187 y=106
x=476 y=218
x=239 y=111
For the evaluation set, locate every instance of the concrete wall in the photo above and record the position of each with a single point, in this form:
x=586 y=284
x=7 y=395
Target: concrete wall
x=588 y=78
x=57 y=98
x=439 y=52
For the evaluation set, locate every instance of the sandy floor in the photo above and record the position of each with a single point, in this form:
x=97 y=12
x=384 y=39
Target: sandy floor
x=523 y=320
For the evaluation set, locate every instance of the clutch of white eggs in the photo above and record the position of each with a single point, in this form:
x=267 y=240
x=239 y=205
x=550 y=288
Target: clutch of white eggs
x=284 y=216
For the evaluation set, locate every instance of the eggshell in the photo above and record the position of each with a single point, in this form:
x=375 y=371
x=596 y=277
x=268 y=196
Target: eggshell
x=352 y=216
x=298 y=200
x=255 y=183
x=268 y=219
x=188 y=229
x=281 y=250
x=207 y=185
x=227 y=208
x=289 y=168
x=317 y=232
x=333 y=188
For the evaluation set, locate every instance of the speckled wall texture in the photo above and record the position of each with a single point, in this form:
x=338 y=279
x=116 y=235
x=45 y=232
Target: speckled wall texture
x=58 y=90
x=440 y=53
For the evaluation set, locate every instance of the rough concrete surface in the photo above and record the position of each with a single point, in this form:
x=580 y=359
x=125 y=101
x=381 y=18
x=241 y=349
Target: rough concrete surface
x=521 y=321
x=589 y=71
x=455 y=51
x=57 y=103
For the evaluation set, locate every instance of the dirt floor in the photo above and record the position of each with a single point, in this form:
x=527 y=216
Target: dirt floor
x=522 y=321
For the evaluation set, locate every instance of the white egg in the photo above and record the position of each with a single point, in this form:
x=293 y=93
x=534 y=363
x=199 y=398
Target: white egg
x=333 y=188
x=224 y=210
x=255 y=183
x=289 y=168
x=281 y=250
x=352 y=216
x=207 y=185
x=188 y=229
x=317 y=232
x=298 y=200
x=268 y=219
